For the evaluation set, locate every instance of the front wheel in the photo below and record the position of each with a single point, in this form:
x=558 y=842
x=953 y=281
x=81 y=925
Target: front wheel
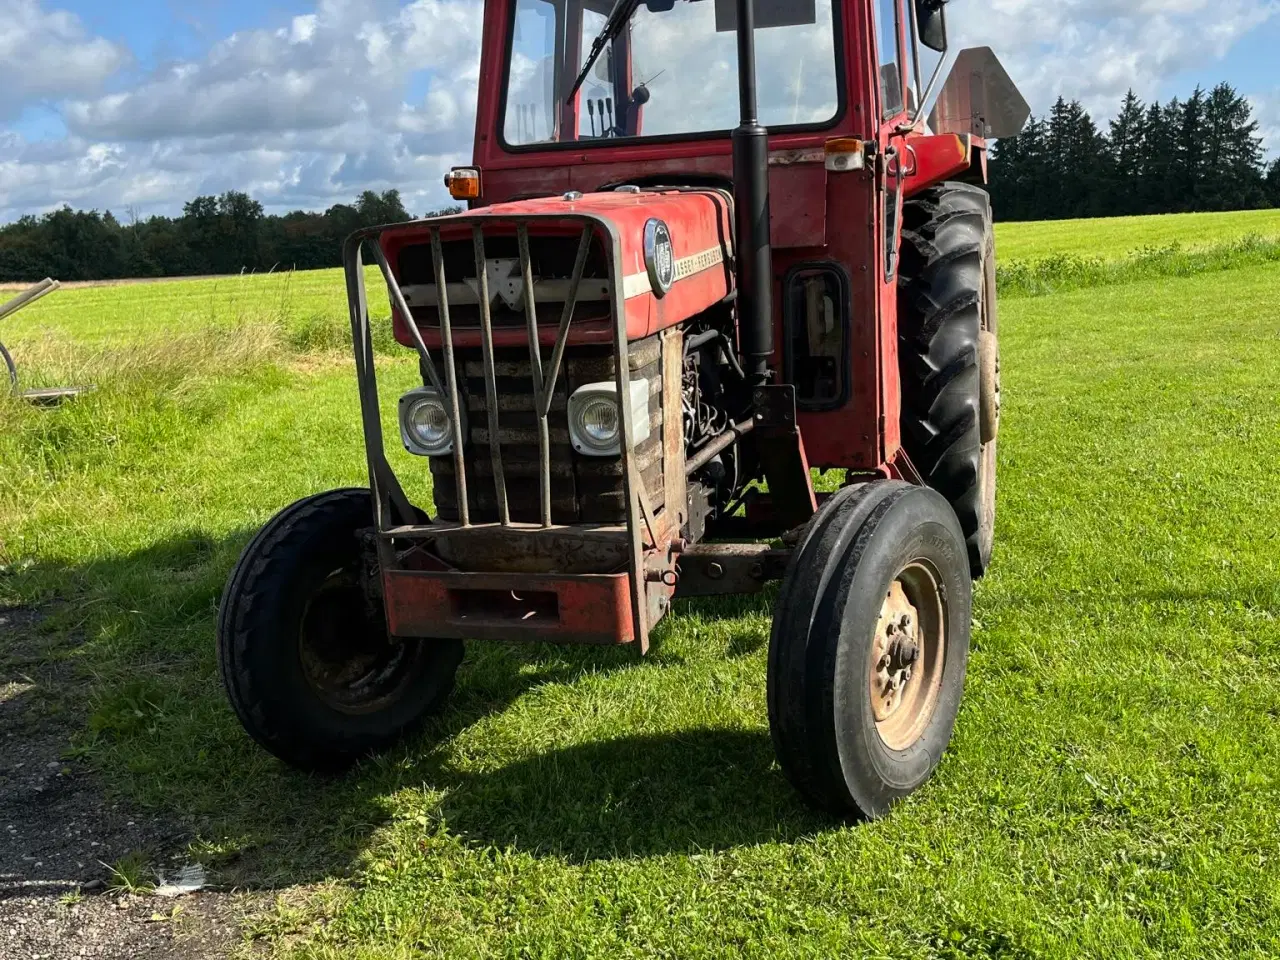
x=304 y=654
x=869 y=648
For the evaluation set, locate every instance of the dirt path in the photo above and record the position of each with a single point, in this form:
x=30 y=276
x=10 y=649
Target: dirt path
x=58 y=830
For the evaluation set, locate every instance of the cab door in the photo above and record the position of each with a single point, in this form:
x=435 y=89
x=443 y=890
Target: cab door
x=894 y=164
x=894 y=91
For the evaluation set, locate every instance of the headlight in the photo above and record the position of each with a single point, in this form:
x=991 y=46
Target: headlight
x=424 y=423
x=595 y=426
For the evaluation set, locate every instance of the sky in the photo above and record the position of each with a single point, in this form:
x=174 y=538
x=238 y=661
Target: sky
x=139 y=105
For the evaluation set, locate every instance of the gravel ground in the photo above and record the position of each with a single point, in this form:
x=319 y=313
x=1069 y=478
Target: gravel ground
x=58 y=830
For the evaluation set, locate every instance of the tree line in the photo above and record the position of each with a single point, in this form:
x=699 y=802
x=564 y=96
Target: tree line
x=1202 y=153
x=230 y=233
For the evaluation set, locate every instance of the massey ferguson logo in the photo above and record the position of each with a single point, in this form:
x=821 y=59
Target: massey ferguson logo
x=659 y=257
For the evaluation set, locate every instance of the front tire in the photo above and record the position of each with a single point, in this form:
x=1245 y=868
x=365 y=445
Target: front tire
x=869 y=648
x=304 y=654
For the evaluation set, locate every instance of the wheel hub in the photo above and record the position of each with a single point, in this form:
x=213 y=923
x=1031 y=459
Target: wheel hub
x=907 y=658
x=345 y=655
x=896 y=653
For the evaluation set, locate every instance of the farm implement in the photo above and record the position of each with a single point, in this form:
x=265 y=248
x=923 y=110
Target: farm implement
x=40 y=396
x=637 y=343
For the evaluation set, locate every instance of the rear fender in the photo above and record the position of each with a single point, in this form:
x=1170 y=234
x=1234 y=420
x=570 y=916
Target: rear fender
x=947 y=156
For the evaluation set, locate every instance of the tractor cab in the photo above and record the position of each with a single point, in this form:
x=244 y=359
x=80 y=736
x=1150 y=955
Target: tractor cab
x=710 y=247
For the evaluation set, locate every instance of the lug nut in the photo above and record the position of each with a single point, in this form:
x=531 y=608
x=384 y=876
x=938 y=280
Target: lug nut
x=906 y=621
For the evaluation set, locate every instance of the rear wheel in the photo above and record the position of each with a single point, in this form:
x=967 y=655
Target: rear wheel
x=949 y=354
x=869 y=648
x=304 y=653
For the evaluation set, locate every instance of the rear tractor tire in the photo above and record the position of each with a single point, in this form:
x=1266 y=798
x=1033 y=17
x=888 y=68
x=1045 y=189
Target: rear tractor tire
x=949 y=354
x=304 y=653
x=869 y=648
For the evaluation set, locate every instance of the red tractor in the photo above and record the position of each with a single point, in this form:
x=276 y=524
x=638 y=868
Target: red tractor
x=637 y=344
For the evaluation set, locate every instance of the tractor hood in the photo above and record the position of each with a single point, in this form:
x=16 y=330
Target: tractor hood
x=670 y=249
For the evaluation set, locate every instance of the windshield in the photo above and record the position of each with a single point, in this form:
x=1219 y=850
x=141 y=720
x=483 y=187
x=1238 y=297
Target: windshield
x=667 y=71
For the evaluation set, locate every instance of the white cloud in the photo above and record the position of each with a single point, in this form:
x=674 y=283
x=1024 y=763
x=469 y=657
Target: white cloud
x=311 y=113
x=1095 y=50
x=48 y=55
x=1266 y=109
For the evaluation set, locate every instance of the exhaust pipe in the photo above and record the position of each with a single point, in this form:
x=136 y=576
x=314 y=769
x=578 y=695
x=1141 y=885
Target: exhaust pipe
x=751 y=210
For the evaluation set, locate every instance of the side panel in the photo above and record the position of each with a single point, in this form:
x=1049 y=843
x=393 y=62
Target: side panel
x=851 y=436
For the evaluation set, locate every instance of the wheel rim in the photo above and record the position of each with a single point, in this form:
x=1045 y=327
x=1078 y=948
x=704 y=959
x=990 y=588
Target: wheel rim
x=907 y=658
x=347 y=658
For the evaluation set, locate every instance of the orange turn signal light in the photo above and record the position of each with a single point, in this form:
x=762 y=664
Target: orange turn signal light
x=846 y=153
x=463 y=183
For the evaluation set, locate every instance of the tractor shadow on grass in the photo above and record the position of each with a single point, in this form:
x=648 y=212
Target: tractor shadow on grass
x=155 y=724
x=696 y=790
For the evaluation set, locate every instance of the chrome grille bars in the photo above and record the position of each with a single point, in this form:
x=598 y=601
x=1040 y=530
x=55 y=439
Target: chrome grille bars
x=451 y=376
x=543 y=382
x=535 y=371
x=395 y=517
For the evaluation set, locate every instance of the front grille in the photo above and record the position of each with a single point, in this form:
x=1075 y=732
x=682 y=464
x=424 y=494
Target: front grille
x=551 y=258
x=583 y=489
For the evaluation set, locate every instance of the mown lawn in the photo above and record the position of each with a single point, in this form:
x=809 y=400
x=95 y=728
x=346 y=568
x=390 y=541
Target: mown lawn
x=1112 y=790
x=1117 y=236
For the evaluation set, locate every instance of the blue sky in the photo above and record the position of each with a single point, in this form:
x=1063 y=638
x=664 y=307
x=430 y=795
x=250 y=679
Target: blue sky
x=143 y=104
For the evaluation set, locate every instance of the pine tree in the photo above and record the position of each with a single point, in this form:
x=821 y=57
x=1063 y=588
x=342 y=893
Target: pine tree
x=1125 y=146
x=1070 y=187
x=1233 y=173
x=1158 y=191
x=1190 y=165
x=1273 y=184
x=1016 y=172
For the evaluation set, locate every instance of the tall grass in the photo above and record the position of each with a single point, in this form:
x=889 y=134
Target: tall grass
x=1067 y=271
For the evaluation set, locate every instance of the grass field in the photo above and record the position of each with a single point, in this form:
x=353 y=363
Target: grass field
x=1112 y=790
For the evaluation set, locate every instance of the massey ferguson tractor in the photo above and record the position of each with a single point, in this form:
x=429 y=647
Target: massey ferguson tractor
x=664 y=308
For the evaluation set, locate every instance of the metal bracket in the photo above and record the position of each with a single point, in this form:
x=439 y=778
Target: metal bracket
x=781 y=450
x=775 y=408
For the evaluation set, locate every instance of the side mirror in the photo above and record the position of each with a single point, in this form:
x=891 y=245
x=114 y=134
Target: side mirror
x=931 y=21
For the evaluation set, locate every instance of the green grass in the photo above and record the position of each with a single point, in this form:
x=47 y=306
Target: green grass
x=1069 y=271
x=1117 y=236
x=1112 y=790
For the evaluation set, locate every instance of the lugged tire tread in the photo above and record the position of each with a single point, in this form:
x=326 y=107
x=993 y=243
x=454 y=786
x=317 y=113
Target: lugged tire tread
x=944 y=237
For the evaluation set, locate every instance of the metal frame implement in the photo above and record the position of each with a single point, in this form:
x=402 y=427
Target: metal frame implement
x=418 y=601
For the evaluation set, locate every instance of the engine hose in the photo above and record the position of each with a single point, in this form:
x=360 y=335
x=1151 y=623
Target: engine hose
x=700 y=340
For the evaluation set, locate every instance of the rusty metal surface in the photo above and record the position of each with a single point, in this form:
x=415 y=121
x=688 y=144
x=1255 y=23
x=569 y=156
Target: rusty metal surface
x=715 y=569
x=907 y=659
x=595 y=609
x=675 y=487
x=717 y=446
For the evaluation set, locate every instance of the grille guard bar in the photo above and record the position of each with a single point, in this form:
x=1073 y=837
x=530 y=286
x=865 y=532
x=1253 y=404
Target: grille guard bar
x=392 y=509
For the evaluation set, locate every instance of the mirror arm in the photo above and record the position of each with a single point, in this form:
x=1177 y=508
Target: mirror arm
x=915 y=54
x=914 y=118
